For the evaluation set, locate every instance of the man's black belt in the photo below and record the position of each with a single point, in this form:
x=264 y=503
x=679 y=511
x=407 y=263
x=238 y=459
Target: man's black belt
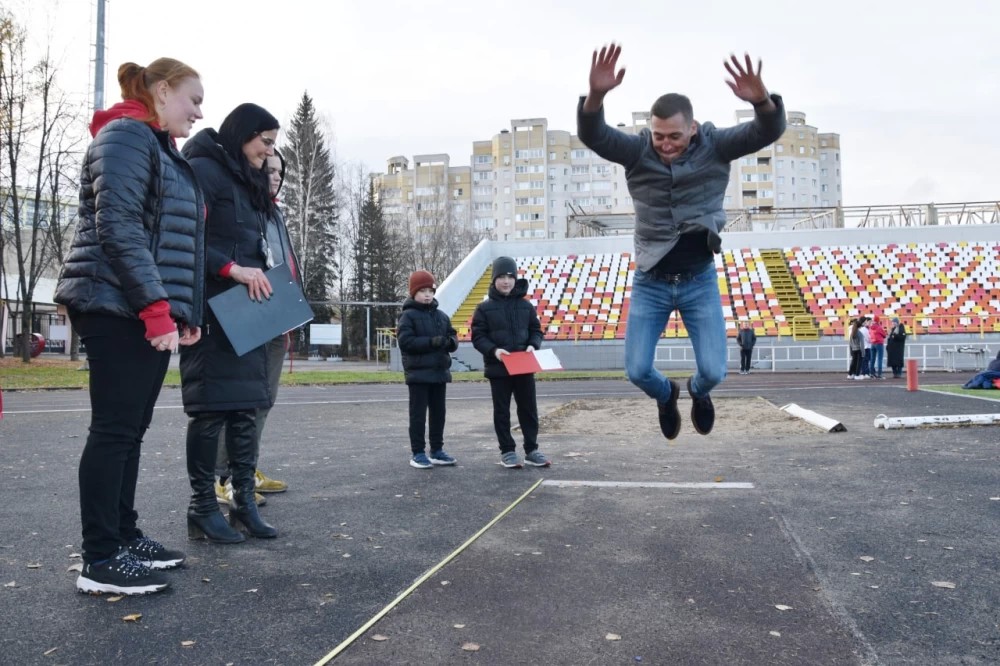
x=674 y=278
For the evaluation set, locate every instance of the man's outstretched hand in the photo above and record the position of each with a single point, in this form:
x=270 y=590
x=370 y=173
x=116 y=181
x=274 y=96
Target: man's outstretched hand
x=747 y=84
x=603 y=77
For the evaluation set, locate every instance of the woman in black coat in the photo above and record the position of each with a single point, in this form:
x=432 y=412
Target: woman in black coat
x=894 y=348
x=219 y=388
x=133 y=288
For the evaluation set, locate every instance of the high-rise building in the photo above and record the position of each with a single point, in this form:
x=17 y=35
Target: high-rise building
x=799 y=170
x=529 y=181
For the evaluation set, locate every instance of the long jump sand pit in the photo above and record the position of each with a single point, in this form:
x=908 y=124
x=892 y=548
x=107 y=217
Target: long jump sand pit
x=625 y=419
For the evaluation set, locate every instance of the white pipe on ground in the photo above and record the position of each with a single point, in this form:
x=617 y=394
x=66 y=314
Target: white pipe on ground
x=816 y=419
x=890 y=423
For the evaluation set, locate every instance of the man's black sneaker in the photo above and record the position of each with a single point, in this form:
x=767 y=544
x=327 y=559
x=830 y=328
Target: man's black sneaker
x=670 y=417
x=122 y=574
x=153 y=554
x=702 y=412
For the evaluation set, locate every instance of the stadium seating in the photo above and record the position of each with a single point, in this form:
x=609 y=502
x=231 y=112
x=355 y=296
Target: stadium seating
x=752 y=297
x=941 y=287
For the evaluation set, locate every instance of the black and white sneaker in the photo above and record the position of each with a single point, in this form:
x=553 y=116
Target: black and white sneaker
x=153 y=554
x=122 y=574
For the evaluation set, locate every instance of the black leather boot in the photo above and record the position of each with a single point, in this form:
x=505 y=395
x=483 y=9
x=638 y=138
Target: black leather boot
x=204 y=520
x=243 y=512
x=242 y=460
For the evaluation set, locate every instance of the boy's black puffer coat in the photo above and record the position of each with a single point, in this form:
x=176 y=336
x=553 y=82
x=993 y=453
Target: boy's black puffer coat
x=426 y=340
x=509 y=322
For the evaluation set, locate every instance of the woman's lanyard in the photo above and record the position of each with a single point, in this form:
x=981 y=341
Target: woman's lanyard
x=263 y=246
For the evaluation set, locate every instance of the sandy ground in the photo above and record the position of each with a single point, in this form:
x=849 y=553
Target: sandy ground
x=606 y=416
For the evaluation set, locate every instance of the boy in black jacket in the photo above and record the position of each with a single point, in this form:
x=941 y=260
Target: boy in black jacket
x=506 y=322
x=426 y=340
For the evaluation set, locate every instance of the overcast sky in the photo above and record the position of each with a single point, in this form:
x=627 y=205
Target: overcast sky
x=913 y=91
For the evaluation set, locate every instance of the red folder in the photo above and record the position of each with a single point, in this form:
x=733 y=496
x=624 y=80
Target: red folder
x=527 y=362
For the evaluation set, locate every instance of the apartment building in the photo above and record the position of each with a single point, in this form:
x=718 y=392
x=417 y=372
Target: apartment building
x=531 y=181
x=800 y=170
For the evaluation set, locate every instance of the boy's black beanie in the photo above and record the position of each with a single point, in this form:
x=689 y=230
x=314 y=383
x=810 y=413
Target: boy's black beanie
x=504 y=266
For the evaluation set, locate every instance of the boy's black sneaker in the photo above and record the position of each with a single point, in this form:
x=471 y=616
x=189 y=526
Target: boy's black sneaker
x=670 y=417
x=122 y=574
x=153 y=554
x=702 y=412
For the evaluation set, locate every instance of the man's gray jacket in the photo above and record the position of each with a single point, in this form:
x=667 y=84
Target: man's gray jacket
x=687 y=194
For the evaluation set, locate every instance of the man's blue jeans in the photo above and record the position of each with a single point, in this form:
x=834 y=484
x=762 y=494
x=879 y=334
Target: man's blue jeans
x=697 y=300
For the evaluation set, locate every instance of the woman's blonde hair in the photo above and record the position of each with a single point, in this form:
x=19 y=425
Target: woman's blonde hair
x=136 y=81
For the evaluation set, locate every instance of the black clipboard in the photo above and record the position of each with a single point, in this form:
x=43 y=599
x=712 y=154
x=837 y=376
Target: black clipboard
x=249 y=324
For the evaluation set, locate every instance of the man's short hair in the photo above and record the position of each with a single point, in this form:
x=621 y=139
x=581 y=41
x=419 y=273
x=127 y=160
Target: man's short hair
x=670 y=105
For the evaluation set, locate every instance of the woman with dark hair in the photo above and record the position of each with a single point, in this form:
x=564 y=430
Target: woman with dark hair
x=219 y=388
x=856 y=345
x=894 y=347
x=133 y=286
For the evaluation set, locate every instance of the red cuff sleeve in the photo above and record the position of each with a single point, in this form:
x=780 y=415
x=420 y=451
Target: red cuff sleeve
x=157 y=318
x=224 y=271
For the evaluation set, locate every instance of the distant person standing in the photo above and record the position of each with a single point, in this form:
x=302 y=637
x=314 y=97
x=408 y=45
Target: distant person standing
x=856 y=346
x=877 y=334
x=866 y=347
x=677 y=171
x=895 y=348
x=746 y=339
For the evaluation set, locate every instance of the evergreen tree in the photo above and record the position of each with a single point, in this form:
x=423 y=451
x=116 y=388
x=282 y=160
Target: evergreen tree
x=380 y=264
x=312 y=207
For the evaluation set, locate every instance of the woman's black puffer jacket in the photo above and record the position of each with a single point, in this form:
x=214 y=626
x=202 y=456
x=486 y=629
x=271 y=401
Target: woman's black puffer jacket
x=213 y=377
x=145 y=243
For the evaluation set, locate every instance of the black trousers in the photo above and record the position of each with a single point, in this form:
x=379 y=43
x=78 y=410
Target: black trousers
x=276 y=353
x=126 y=374
x=856 y=359
x=522 y=387
x=745 y=356
x=427 y=399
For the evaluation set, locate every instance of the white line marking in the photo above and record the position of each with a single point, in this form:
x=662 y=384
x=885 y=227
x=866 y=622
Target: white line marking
x=745 y=485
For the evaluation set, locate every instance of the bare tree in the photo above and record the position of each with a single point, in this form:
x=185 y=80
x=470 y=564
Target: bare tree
x=36 y=132
x=439 y=234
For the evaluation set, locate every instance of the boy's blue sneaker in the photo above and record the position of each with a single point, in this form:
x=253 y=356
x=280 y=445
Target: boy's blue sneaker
x=536 y=459
x=420 y=461
x=439 y=457
x=510 y=460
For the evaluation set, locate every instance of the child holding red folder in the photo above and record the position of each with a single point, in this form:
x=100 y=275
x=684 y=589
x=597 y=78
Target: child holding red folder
x=506 y=322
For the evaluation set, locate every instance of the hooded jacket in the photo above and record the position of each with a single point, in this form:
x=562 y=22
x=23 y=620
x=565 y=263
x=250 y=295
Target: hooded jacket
x=234 y=225
x=508 y=322
x=213 y=377
x=140 y=236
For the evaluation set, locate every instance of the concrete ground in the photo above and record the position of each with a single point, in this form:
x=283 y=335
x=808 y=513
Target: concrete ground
x=862 y=547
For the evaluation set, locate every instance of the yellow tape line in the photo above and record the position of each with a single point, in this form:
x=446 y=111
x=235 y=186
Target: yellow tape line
x=418 y=582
